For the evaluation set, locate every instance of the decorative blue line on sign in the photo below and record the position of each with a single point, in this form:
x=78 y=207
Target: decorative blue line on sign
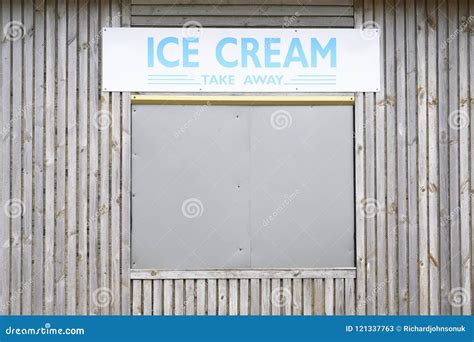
x=160 y=75
x=171 y=79
x=316 y=75
x=309 y=80
x=309 y=83
x=175 y=83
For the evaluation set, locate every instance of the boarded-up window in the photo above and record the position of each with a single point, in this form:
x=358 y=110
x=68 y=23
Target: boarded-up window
x=219 y=187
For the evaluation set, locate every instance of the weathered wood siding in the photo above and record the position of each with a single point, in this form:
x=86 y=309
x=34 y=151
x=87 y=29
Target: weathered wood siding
x=414 y=152
x=244 y=292
x=65 y=234
x=270 y=13
x=65 y=165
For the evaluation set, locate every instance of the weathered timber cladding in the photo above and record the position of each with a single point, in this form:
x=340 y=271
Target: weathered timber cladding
x=65 y=165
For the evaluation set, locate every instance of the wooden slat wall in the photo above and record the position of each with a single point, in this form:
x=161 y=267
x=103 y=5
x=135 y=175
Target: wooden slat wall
x=65 y=165
x=321 y=296
x=309 y=13
x=414 y=161
x=64 y=237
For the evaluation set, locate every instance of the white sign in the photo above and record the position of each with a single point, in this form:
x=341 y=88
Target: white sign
x=240 y=60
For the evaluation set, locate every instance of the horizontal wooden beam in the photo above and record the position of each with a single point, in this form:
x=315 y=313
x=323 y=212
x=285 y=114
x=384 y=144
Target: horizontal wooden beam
x=303 y=273
x=242 y=100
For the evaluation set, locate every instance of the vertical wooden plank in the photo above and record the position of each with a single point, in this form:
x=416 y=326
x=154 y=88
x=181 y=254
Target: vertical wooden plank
x=287 y=297
x=471 y=155
x=126 y=179
x=349 y=296
x=200 y=297
x=60 y=207
x=433 y=179
x=380 y=166
x=222 y=293
x=244 y=297
x=49 y=285
x=147 y=297
x=233 y=297
x=71 y=113
x=297 y=296
x=359 y=154
x=254 y=297
x=329 y=296
x=339 y=296
x=157 y=297
x=38 y=167
x=401 y=162
x=189 y=302
x=102 y=123
x=5 y=160
x=391 y=146
x=307 y=296
x=319 y=296
x=266 y=297
x=421 y=19
x=465 y=181
x=454 y=128
x=443 y=94
x=370 y=194
x=167 y=297
x=211 y=297
x=137 y=298
x=412 y=136
x=276 y=294
x=115 y=177
x=179 y=297
x=16 y=172
x=82 y=197
x=27 y=195
x=95 y=260
x=101 y=131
